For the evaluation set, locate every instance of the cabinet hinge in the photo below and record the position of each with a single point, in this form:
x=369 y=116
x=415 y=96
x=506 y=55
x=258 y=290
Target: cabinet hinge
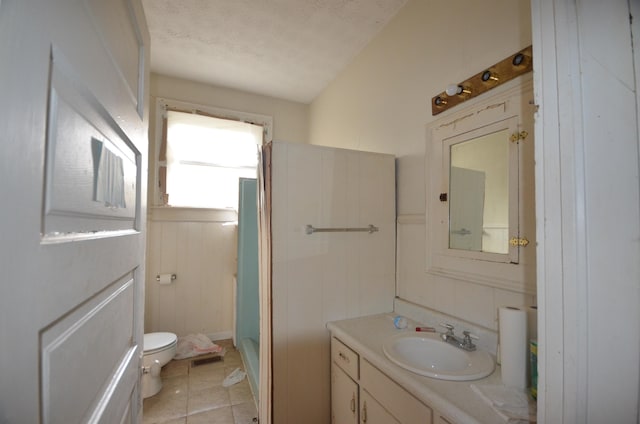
x=515 y=241
x=518 y=136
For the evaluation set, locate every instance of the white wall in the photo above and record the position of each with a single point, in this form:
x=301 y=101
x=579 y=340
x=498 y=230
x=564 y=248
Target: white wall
x=195 y=245
x=382 y=102
x=323 y=277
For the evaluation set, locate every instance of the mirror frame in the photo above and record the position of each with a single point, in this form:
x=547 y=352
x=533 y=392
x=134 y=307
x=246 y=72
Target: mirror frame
x=509 y=106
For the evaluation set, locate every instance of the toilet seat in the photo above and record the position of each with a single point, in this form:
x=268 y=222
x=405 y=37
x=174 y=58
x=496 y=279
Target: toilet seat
x=157 y=342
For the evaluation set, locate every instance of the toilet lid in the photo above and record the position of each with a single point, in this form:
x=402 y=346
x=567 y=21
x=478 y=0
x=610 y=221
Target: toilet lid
x=157 y=341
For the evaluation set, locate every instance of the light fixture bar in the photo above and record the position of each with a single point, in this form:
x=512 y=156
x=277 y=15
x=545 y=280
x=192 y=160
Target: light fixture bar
x=507 y=69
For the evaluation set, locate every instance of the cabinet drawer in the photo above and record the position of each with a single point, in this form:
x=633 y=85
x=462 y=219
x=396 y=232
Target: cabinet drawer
x=400 y=403
x=344 y=357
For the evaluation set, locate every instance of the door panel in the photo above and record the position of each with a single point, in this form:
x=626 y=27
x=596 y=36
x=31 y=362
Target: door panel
x=64 y=353
x=73 y=160
x=122 y=37
x=92 y=167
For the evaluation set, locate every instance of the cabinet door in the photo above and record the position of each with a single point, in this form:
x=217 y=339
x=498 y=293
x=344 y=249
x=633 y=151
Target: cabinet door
x=372 y=412
x=344 y=397
x=403 y=405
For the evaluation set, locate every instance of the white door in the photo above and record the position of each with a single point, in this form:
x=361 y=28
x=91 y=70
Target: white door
x=73 y=155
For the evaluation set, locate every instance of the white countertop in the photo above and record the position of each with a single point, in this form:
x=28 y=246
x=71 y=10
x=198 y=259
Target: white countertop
x=453 y=399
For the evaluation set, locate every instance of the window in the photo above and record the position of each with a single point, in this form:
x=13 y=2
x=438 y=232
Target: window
x=205 y=157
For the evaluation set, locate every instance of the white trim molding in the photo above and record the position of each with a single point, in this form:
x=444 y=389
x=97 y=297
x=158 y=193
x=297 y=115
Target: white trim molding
x=587 y=209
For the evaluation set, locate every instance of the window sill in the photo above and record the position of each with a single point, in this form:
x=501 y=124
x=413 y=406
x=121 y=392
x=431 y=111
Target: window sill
x=181 y=214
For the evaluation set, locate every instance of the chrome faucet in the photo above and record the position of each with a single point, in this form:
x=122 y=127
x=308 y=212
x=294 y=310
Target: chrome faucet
x=465 y=343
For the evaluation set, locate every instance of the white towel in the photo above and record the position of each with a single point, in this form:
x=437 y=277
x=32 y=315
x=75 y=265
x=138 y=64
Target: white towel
x=513 y=405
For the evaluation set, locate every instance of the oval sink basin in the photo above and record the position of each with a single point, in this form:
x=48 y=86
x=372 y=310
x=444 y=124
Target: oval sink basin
x=428 y=355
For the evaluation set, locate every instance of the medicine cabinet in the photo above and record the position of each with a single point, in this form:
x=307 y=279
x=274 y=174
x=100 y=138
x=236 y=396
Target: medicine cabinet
x=480 y=191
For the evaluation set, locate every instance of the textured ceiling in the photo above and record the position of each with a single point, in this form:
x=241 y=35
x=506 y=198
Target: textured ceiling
x=290 y=49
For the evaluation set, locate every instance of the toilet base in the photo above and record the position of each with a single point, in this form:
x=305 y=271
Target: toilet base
x=150 y=385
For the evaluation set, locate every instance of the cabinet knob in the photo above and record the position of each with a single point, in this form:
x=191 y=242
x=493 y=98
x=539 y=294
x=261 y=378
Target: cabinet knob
x=353 y=403
x=364 y=412
x=343 y=357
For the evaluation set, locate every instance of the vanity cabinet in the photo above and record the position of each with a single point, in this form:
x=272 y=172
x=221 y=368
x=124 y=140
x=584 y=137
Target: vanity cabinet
x=360 y=393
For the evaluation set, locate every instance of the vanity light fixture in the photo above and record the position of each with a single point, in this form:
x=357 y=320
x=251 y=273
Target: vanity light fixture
x=507 y=69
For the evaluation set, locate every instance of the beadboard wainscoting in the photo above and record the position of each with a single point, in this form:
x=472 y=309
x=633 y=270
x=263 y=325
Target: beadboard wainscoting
x=197 y=246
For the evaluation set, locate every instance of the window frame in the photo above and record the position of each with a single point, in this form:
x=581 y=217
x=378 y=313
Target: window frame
x=160 y=197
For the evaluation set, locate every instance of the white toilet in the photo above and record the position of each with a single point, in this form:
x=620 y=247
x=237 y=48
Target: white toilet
x=159 y=348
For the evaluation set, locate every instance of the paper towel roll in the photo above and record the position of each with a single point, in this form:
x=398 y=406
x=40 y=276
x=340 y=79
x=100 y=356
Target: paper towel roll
x=513 y=346
x=164 y=278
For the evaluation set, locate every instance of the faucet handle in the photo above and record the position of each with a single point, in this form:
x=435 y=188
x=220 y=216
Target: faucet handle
x=449 y=328
x=470 y=335
x=467 y=342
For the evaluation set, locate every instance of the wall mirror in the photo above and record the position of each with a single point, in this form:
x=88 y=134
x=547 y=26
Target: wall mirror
x=482 y=171
x=479 y=187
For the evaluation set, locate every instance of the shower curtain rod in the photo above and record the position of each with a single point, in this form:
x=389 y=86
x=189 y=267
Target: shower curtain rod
x=310 y=229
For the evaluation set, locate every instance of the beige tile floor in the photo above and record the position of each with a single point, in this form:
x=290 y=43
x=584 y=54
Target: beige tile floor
x=194 y=395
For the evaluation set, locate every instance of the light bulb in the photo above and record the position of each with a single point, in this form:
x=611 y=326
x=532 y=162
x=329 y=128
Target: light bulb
x=453 y=89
